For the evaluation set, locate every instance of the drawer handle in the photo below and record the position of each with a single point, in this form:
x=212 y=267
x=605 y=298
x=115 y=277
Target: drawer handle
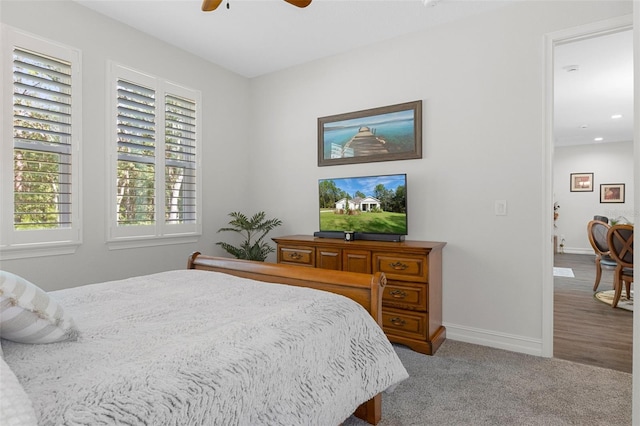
x=295 y=256
x=399 y=266
x=398 y=321
x=398 y=294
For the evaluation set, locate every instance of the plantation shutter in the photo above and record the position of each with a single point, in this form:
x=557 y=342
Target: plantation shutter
x=180 y=160
x=136 y=127
x=41 y=141
x=155 y=191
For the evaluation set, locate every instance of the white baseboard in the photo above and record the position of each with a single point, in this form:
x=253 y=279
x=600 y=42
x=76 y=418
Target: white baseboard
x=570 y=250
x=494 y=339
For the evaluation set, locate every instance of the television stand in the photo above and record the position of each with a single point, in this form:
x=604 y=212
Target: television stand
x=412 y=298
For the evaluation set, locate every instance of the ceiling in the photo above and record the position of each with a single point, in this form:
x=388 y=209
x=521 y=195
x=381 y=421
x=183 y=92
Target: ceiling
x=257 y=37
x=593 y=81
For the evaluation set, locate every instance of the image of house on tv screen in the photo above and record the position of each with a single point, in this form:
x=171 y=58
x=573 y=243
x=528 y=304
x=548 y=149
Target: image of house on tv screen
x=368 y=204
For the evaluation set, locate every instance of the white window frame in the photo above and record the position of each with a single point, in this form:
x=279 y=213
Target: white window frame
x=160 y=233
x=42 y=242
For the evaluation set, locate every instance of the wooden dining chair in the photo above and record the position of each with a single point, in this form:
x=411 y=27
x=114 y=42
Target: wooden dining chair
x=620 y=240
x=597 y=231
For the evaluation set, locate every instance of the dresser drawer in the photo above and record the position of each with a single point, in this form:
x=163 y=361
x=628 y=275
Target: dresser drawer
x=406 y=296
x=401 y=267
x=296 y=255
x=412 y=298
x=404 y=323
x=327 y=258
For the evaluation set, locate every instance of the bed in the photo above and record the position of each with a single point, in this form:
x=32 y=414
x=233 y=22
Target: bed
x=224 y=342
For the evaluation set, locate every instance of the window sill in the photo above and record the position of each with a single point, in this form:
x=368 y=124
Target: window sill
x=140 y=242
x=37 y=250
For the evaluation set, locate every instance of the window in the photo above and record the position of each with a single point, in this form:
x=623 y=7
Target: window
x=40 y=149
x=180 y=160
x=155 y=191
x=136 y=154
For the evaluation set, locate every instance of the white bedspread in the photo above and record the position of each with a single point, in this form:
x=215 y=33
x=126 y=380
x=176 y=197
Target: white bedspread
x=202 y=348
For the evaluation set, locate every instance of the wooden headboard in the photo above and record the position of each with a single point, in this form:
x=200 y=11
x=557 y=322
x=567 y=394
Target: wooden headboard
x=366 y=289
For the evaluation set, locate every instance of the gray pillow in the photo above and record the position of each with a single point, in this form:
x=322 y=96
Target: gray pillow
x=29 y=315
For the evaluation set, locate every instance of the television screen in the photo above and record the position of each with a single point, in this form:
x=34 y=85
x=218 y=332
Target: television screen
x=367 y=204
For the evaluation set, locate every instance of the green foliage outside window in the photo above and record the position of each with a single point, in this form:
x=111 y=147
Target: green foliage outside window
x=36 y=190
x=136 y=193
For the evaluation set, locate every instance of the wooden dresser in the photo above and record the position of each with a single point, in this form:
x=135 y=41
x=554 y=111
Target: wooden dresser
x=412 y=298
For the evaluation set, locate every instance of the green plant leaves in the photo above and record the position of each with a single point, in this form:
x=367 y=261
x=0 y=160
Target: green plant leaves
x=253 y=230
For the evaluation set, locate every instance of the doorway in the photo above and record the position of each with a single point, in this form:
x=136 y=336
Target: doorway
x=567 y=130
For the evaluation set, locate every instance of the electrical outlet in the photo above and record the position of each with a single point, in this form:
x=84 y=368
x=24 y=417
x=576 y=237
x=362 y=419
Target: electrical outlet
x=500 y=207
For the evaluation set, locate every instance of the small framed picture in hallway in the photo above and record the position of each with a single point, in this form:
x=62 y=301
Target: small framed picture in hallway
x=612 y=193
x=581 y=182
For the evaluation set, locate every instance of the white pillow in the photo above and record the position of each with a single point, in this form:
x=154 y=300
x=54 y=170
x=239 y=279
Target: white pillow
x=15 y=405
x=29 y=315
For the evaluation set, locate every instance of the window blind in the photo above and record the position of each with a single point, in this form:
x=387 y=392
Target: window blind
x=41 y=141
x=154 y=179
x=180 y=160
x=136 y=129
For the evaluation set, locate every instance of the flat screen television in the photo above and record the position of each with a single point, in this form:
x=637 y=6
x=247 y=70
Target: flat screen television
x=373 y=207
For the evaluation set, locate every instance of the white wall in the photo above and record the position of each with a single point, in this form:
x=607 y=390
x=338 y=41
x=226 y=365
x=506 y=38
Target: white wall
x=482 y=85
x=609 y=163
x=225 y=135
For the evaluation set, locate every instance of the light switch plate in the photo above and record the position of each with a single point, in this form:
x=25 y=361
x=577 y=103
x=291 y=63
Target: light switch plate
x=500 y=207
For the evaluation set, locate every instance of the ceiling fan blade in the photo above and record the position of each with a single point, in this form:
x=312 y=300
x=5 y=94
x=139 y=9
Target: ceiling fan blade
x=299 y=3
x=209 y=5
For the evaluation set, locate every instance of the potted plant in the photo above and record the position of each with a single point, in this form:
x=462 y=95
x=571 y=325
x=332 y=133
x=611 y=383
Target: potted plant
x=254 y=230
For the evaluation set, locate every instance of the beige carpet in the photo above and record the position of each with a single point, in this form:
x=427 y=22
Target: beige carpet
x=607 y=297
x=470 y=385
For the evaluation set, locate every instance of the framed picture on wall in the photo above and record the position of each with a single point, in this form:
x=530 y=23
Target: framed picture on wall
x=387 y=133
x=581 y=182
x=612 y=193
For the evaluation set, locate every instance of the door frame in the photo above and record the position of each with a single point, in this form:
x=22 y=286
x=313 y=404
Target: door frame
x=553 y=39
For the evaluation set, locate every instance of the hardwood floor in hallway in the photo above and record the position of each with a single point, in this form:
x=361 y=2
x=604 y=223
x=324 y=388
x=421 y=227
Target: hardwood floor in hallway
x=586 y=330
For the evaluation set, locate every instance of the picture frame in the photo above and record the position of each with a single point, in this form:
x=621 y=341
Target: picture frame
x=386 y=133
x=581 y=182
x=612 y=193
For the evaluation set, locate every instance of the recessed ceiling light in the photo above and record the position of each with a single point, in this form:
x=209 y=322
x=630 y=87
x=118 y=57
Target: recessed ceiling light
x=598 y=139
x=584 y=126
x=571 y=68
x=616 y=116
